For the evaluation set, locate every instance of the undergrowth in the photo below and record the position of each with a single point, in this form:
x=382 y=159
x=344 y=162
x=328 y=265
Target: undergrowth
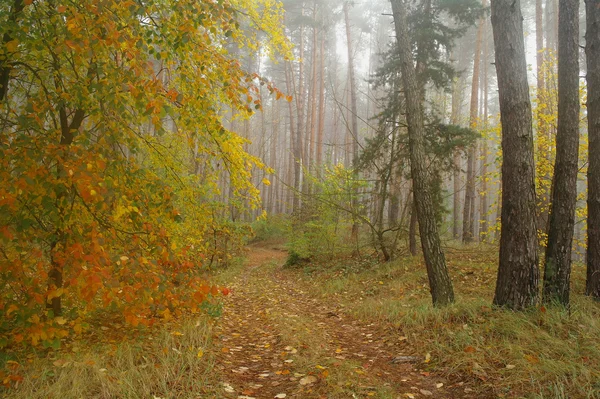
x=171 y=363
x=541 y=353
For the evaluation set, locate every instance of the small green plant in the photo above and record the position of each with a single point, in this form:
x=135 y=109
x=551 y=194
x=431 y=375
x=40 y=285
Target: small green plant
x=295 y=259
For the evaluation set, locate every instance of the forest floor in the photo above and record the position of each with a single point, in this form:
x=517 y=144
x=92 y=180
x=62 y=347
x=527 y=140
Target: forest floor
x=343 y=327
x=277 y=340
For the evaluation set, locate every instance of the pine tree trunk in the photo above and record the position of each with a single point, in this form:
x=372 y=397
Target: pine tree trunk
x=295 y=139
x=518 y=274
x=456 y=89
x=483 y=199
x=469 y=210
x=312 y=98
x=557 y=271
x=5 y=62
x=439 y=280
x=539 y=45
x=353 y=116
x=543 y=128
x=412 y=228
x=321 y=126
x=592 y=51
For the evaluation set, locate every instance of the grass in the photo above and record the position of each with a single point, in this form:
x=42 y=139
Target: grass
x=166 y=364
x=541 y=353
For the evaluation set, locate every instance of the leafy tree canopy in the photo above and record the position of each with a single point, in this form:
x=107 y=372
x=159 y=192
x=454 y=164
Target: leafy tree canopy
x=114 y=157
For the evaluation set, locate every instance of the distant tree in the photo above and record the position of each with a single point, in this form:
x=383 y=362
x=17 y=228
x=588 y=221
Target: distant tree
x=439 y=280
x=592 y=51
x=518 y=274
x=469 y=209
x=557 y=267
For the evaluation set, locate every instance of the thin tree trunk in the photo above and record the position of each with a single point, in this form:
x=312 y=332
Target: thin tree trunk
x=312 y=120
x=539 y=44
x=300 y=113
x=321 y=126
x=518 y=274
x=543 y=129
x=295 y=140
x=469 y=210
x=354 y=114
x=412 y=228
x=483 y=199
x=557 y=271
x=439 y=279
x=592 y=51
x=456 y=89
x=5 y=64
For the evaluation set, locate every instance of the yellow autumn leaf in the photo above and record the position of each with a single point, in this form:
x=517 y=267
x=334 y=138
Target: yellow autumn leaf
x=12 y=46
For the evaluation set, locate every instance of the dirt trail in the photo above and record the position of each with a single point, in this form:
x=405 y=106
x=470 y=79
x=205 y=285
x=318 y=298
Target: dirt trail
x=276 y=341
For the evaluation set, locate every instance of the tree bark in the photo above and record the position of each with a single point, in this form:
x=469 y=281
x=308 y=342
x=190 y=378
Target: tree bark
x=353 y=107
x=5 y=63
x=440 y=285
x=592 y=51
x=456 y=90
x=354 y=114
x=539 y=45
x=412 y=228
x=557 y=270
x=483 y=199
x=469 y=209
x=295 y=140
x=518 y=274
x=543 y=128
x=321 y=126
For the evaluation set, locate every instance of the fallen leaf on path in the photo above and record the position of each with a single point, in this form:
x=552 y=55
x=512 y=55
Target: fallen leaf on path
x=309 y=379
x=280 y=396
x=425 y=392
x=405 y=359
x=533 y=359
x=61 y=363
x=228 y=388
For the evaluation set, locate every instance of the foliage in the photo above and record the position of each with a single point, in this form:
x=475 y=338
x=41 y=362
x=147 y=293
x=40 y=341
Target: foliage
x=322 y=226
x=113 y=156
x=270 y=228
x=546 y=112
x=434 y=27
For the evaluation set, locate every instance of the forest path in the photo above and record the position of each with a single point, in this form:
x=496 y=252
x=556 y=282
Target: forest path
x=275 y=341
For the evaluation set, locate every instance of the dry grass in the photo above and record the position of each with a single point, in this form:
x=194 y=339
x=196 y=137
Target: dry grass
x=542 y=353
x=167 y=364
